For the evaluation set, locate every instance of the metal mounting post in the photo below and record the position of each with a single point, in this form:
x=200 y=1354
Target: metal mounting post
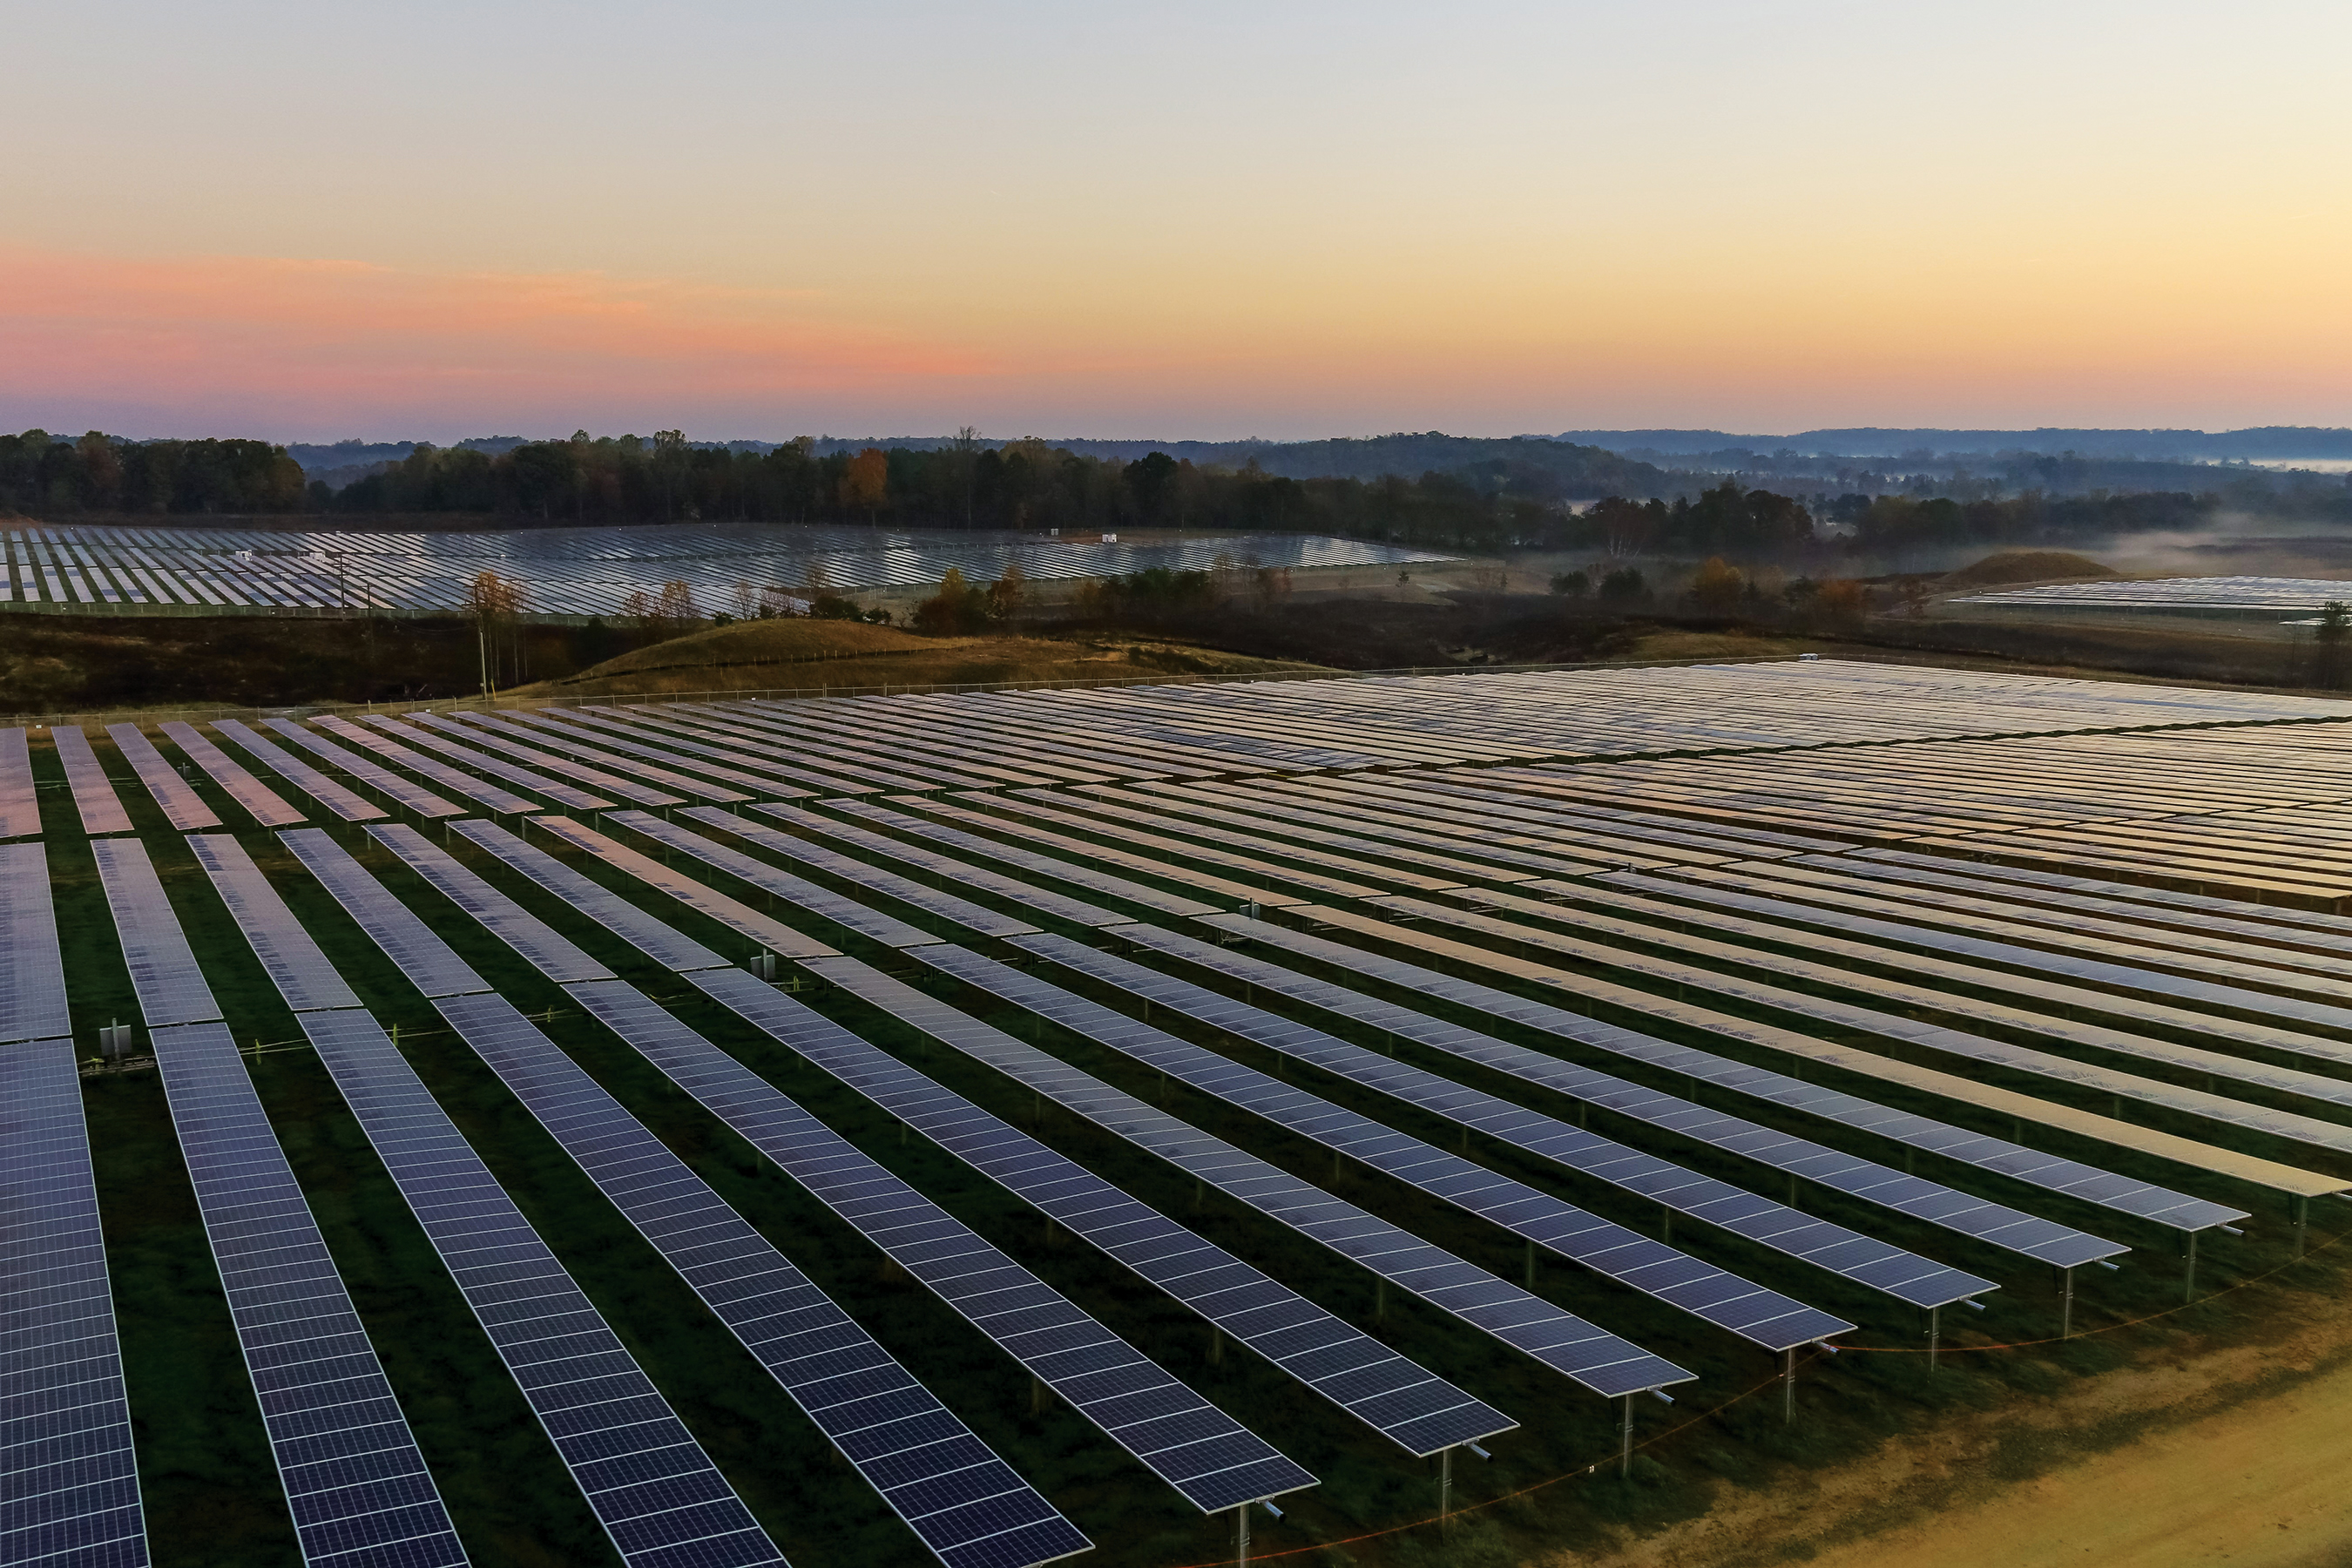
x=1445 y=1491
x=2302 y=1221
x=1626 y=1439
x=1789 y=1386
x=2189 y=1272
x=1935 y=1334
x=1241 y=1536
x=1531 y=1265
x=2065 y=1303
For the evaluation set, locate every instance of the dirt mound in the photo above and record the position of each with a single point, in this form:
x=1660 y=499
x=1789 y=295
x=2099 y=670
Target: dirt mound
x=784 y=641
x=836 y=655
x=2009 y=566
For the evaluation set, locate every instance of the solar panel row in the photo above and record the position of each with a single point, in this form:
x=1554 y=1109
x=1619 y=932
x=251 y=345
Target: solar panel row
x=647 y=1479
x=732 y=913
x=1421 y=1411
x=1876 y=1264
x=33 y=1004
x=346 y=803
x=963 y=1503
x=403 y=736
x=357 y=1486
x=67 y=1476
x=1594 y=1357
x=183 y=808
x=665 y=944
x=20 y=801
x=2045 y=1241
x=260 y=801
x=93 y=791
x=1209 y=1458
x=488 y=796
x=1763 y=1316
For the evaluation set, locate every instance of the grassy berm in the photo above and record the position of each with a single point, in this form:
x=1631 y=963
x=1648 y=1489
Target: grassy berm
x=846 y=655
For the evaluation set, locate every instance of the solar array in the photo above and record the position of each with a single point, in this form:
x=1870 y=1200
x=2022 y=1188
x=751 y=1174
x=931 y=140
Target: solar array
x=581 y=570
x=970 y=1509
x=2273 y=595
x=357 y=1486
x=1786 y=1003
x=66 y=1464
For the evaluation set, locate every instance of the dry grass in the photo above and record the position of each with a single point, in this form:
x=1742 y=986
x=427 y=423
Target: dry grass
x=2012 y=566
x=806 y=655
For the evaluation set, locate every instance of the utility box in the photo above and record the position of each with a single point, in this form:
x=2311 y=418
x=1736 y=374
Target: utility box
x=762 y=966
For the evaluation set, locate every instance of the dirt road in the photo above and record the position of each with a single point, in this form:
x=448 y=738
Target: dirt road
x=2246 y=1460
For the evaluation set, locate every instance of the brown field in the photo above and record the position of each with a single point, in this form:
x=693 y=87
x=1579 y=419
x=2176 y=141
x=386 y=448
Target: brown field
x=2237 y=1454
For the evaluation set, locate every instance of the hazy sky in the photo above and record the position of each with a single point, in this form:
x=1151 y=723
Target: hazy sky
x=1206 y=220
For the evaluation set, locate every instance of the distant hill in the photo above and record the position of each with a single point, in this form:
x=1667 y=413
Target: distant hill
x=2259 y=442
x=322 y=461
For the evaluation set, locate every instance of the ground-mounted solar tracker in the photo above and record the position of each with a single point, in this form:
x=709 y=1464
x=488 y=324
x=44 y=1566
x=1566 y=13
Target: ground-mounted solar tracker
x=1784 y=1003
x=182 y=806
x=648 y=1482
x=93 y=793
x=354 y=1480
x=1591 y=1356
x=347 y=803
x=1874 y=1264
x=266 y=806
x=20 y=806
x=66 y=1464
x=948 y=1488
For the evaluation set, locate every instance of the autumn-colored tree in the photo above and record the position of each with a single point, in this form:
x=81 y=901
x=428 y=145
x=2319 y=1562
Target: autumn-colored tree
x=867 y=481
x=1716 y=588
x=1005 y=595
x=677 y=609
x=1840 y=603
x=956 y=609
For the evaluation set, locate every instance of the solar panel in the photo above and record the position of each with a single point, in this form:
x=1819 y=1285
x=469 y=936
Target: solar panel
x=33 y=1003
x=1410 y=1406
x=649 y=1482
x=423 y=802
x=1998 y=1156
x=343 y=803
x=93 y=791
x=553 y=956
x=172 y=989
x=905 y=890
x=1177 y=856
x=1277 y=829
x=477 y=737
x=259 y=800
x=488 y=796
x=926 y=1464
x=20 y=801
x=1980 y=1051
x=427 y=960
x=1021 y=860
x=358 y=1488
x=184 y=808
x=566 y=741
x=2045 y=1241
x=1594 y=1357
x=681 y=724
x=704 y=900
x=295 y=963
x=1209 y=1458
x=941 y=867
x=1091 y=855
x=68 y=1474
x=795 y=891
x=664 y=944
x=621 y=736
x=482 y=761
x=1765 y=1318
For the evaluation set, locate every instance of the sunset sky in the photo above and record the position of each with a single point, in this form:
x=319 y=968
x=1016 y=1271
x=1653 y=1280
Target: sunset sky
x=1214 y=220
